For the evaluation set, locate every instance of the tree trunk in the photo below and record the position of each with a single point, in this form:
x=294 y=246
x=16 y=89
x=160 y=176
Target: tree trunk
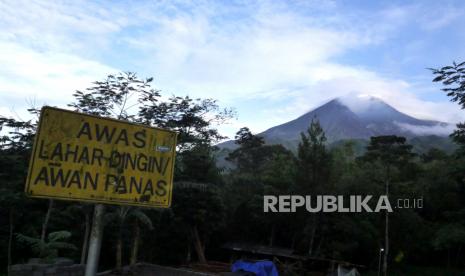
x=135 y=246
x=198 y=246
x=312 y=237
x=47 y=218
x=386 y=244
x=457 y=257
x=188 y=256
x=270 y=244
x=85 y=243
x=10 y=239
x=119 y=250
x=386 y=229
x=317 y=251
x=294 y=238
x=448 y=258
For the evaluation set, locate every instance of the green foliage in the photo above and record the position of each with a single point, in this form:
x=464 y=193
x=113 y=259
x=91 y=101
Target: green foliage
x=121 y=214
x=193 y=119
x=388 y=150
x=452 y=78
x=198 y=164
x=249 y=156
x=247 y=140
x=200 y=207
x=449 y=235
x=313 y=160
x=110 y=97
x=49 y=248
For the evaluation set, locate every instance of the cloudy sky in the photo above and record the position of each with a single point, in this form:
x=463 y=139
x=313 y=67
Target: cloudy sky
x=271 y=61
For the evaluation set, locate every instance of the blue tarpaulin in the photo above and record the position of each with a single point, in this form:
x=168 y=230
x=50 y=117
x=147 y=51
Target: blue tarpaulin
x=260 y=268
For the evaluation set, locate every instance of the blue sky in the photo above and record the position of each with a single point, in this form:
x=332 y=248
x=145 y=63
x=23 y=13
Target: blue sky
x=272 y=61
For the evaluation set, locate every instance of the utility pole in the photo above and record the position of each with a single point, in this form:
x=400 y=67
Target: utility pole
x=386 y=229
x=379 y=262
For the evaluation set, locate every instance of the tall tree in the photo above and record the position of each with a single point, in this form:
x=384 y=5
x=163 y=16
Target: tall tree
x=114 y=97
x=452 y=78
x=249 y=155
x=277 y=175
x=201 y=212
x=313 y=172
x=258 y=169
x=313 y=158
x=198 y=203
x=15 y=148
x=389 y=151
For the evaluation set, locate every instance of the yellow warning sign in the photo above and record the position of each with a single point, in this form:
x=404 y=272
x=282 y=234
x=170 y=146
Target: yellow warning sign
x=88 y=158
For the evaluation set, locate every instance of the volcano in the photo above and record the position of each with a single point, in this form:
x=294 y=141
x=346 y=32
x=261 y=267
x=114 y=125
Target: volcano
x=356 y=118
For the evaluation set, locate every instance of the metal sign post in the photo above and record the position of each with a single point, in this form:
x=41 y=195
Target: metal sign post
x=95 y=240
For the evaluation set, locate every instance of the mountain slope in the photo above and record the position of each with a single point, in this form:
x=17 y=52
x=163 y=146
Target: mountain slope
x=356 y=118
x=337 y=120
x=383 y=119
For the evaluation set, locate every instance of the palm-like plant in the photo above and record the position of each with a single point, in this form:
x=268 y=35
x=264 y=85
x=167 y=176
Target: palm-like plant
x=48 y=249
x=121 y=215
